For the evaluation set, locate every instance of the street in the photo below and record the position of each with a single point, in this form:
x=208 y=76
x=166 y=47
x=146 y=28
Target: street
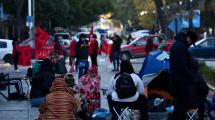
x=20 y=110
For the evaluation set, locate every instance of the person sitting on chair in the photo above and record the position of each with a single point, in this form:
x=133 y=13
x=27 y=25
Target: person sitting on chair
x=126 y=90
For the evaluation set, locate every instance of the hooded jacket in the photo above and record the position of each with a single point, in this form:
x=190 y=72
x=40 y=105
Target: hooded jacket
x=60 y=104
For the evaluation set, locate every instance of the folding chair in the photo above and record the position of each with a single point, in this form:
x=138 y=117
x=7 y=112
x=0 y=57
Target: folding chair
x=192 y=113
x=125 y=114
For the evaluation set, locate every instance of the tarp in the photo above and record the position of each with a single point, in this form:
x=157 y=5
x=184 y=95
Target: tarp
x=154 y=62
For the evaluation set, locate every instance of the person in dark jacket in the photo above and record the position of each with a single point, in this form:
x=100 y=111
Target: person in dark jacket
x=116 y=50
x=81 y=50
x=42 y=82
x=59 y=62
x=181 y=73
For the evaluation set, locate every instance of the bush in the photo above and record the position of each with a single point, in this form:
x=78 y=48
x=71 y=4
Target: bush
x=207 y=72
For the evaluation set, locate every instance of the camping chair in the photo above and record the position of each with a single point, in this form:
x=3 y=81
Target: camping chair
x=125 y=114
x=192 y=113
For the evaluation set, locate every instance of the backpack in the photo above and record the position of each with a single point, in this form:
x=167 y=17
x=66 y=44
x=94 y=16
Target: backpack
x=125 y=86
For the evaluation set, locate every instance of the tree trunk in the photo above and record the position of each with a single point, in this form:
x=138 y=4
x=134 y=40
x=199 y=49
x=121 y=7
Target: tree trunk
x=19 y=5
x=161 y=16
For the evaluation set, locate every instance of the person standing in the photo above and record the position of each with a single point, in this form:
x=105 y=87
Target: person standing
x=16 y=54
x=93 y=50
x=181 y=73
x=115 y=51
x=81 y=50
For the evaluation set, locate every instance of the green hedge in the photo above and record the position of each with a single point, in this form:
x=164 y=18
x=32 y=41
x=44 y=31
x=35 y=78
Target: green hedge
x=207 y=72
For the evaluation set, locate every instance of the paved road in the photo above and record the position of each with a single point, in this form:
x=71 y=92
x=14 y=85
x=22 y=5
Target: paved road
x=21 y=110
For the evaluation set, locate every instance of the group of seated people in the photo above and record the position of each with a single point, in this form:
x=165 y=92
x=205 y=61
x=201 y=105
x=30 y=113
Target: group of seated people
x=58 y=97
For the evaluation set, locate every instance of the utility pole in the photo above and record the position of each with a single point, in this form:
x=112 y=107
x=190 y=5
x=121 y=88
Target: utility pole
x=34 y=38
x=190 y=14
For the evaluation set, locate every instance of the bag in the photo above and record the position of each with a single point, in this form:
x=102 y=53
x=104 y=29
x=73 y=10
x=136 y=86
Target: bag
x=125 y=86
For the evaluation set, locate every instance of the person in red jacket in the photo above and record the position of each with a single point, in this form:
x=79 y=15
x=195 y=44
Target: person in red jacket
x=16 y=54
x=72 y=54
x=149 y=46
x=93 y=50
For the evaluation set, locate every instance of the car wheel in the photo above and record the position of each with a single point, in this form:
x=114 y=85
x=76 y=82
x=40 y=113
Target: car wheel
x=125 y=56
x=8 y=58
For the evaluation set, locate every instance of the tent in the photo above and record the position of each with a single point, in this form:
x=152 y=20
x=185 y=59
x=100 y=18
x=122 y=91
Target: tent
x=155 y=74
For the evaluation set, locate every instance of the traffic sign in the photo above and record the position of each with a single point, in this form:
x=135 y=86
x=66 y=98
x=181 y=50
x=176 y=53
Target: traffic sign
x=176 y=25
x=29 y=21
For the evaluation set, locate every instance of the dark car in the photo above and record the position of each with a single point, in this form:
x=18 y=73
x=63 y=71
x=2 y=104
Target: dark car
x=205 y=49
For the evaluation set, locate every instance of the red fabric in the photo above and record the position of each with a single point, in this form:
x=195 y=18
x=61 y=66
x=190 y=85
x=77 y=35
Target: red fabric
x=90 y=90
x=41 y=37
x=24 y=56
x=72 y=48
x=91 y=32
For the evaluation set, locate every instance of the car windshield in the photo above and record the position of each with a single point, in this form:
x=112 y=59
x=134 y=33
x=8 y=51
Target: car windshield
x=64 y=36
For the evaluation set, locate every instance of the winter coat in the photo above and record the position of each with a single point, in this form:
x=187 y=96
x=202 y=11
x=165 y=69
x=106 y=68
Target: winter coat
x=72 y=48
x=60 y=66
x=184 y=80
x=117 y=41
x=81 y=50
x=60 y=104
x=42 y=81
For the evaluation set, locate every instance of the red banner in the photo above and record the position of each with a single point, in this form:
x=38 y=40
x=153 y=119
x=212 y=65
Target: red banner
x=41 y=37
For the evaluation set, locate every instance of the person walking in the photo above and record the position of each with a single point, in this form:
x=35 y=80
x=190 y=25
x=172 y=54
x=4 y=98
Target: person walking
x=126 y=90
x=181 y=74
x=115 y=51
x=16 y=53
x=93 y=50
x=81 y=50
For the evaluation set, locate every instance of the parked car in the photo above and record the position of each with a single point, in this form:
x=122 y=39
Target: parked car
x=140 y=33
x=6 y=49
x=76 y=36
x=137 y=47
x=64 y=37
x=205 y=49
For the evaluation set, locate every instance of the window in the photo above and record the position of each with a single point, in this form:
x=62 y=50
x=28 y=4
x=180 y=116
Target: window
x=141 y=42
x=3 y=44
x=156 y=39
x=208 y=43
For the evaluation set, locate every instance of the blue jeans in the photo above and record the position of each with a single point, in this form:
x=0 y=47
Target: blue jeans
x=83 y=69
x=36 y=102
x=115 y=57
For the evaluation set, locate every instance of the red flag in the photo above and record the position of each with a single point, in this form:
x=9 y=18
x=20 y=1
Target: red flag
x=40 y=38
x=91 y=32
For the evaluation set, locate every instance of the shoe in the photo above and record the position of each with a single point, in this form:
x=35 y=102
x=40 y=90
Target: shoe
x=113 y=70
x=17 y=70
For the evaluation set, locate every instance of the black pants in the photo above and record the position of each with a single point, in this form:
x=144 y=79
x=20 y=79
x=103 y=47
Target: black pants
x=94 y=60
x=16 y=58
x=140 y=104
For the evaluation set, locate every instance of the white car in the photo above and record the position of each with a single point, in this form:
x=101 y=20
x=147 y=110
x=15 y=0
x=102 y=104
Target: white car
x=76 y=36
x=140 y=33
x=6 y=49
x=65 y=38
